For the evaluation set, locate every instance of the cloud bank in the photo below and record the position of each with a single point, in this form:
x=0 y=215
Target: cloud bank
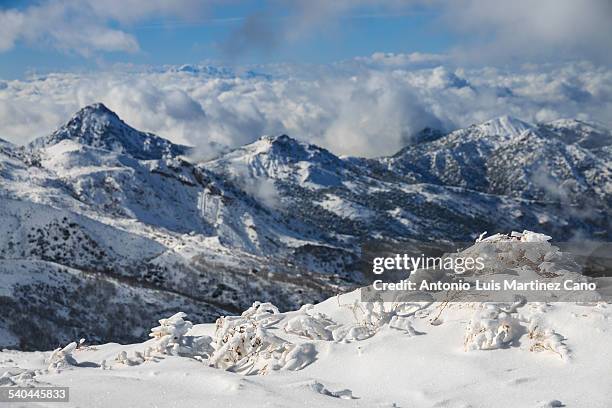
x=368 y=106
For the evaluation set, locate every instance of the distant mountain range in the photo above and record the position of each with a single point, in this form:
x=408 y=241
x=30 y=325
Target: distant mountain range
x=104 y=228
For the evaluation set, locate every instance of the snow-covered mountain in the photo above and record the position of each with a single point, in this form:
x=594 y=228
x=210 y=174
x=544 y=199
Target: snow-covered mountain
x=101 y=217
x=162 y=226
x=97 y=126
x=558 y=162
x=496 y=175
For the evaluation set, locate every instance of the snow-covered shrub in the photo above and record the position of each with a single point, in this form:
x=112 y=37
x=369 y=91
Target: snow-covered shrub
x=490 y=327
x=244 y=344
x=521 y=250
x=370 y=317
x=349 y=333
x=295 y=357
x=170 y=331
x=171 y=339
x=310 y=324
x=546 y=339
x=62 y=357
x=265 y=313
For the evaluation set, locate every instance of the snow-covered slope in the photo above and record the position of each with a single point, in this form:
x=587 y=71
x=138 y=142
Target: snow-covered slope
x=344 y=352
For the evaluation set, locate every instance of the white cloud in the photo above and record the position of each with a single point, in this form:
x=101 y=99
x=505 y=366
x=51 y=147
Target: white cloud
x=87 y=26
x=64 y=25
x=129 y=11
x=532 y=30
x=350 y=108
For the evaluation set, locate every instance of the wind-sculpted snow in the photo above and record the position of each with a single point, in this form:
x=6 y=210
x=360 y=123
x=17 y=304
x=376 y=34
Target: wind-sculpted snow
x=344 y=348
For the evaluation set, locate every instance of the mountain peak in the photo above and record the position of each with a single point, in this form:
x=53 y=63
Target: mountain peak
x=281 y=157
x=97 y=126
x=96 y=115
x=504 y=126
x=97 y=108
x=292 y=149
x=274 y=138
x=279 y=140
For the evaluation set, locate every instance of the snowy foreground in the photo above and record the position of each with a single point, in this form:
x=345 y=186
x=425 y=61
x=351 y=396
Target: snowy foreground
x=343 y=352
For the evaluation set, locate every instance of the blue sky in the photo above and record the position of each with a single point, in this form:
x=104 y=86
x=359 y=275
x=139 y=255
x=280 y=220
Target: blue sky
x=58 y=35
x=211 y=35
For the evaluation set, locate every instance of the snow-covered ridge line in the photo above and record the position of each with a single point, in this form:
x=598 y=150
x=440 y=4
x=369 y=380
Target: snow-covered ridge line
x=97 y=115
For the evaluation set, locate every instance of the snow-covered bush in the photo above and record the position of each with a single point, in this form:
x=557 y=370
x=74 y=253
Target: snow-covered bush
x=351 y=333
x=265 y=313
x=546 y=339
x=526 y=249
x=490 y=327
x=244 y=344
x=170 y=332
x=370 y=317
x=295 y=357
x=171 y=339
x=252 y=343
x=310 y=324
x=62 y=357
